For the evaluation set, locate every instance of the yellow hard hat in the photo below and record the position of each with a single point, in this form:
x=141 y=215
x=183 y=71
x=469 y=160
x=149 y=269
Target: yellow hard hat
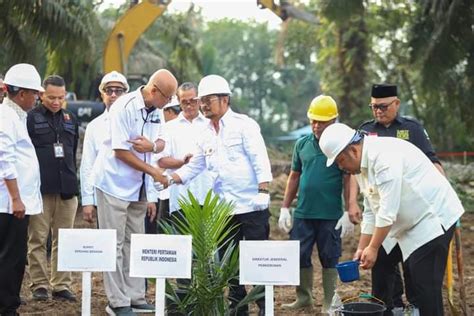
x=322 y=108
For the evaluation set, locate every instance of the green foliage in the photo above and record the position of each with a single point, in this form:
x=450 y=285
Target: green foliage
x=59 y=32
x=210 y=226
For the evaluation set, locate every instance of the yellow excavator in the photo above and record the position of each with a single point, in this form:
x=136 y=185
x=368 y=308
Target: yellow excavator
x=128 y=29
x=141 y=15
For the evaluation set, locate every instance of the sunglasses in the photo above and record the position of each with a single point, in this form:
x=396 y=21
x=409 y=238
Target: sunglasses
x=111 y=91
x=208 y=100
x=381 y=106
x=189 y=102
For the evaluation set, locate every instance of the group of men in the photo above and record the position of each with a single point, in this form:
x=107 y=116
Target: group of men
x=409 y=207
x=201 y=146
x=197 y=142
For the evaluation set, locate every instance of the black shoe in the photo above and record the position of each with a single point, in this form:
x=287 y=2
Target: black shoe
x=40 y=294
x=64 y=295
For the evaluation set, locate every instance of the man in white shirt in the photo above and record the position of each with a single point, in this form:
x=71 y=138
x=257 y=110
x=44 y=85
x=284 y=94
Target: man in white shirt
x=124 y=178
x=20 y=194
x=170 y=112
x=112 y=86
x=233 y=151
x=405 y=198
x=181 y=139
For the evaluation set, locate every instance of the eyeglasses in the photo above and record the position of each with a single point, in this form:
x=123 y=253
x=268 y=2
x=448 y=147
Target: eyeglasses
x=117 y=91
x=207 y=100
x=381 y=106
x=190 y=102
x=164 y=95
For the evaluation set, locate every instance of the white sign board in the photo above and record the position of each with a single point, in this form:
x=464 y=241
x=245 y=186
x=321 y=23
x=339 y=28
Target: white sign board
x=270 y=262
x=161 y=256
x=87 y=249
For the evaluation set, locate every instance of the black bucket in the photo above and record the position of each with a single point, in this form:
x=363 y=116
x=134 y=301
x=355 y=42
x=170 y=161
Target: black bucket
x=362 y=309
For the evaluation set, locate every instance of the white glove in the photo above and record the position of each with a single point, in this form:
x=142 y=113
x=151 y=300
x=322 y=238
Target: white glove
x=158 y=186
x=261 y=201
x=347 y=226
x=285 y=222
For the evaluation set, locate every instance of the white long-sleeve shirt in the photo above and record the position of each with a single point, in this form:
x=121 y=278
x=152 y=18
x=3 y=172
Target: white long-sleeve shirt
x=181 y=138
x=403 y=188
x=96 y=134
x=236 y=158
x=128 y=119
x=18 y=160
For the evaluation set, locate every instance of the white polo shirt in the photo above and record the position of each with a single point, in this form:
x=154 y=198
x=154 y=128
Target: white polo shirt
x=236 y=158
x=181 y=138
x=96 y=134
x=128 y=119
x=18 y=160
x=403 y=188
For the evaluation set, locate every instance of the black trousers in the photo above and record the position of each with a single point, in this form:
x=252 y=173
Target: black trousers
x=251 y=226
x=13 y=248
x=387 y=282
x=426 y=267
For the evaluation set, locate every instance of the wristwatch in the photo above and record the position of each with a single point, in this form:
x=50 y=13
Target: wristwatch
x=155 y=148
x=170 y=180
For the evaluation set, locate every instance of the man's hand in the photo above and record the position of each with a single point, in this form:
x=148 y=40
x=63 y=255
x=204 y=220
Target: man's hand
x=187 y=158
x=346 y=225
x=368 y=257
x=141 y=144
x=151 y=211
x=88 y=213
x=18 y=208
x=357 y=254
x=355 y=214
x=261 y=201
x=284 y=222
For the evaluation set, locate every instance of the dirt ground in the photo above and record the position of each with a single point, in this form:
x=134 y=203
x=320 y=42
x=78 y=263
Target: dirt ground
x=283 y=294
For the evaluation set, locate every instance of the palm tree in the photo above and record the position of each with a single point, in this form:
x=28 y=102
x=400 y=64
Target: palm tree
x=56 y=31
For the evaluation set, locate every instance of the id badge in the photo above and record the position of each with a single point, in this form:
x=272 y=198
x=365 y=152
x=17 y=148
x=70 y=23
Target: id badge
x=58 y=150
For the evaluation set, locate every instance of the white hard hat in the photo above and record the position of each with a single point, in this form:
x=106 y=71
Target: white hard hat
x=23 y=76
x=213 y=84
x=334 y=139
x=174 y=102
x=114 y=76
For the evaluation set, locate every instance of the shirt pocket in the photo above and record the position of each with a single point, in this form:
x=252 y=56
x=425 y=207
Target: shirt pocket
x=234 y=147
x=42 y=128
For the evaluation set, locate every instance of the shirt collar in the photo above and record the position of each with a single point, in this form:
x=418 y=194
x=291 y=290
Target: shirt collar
x=141 y=102
x=181 y=117
x=227 y=116
x=397 y=120
x=15 y=107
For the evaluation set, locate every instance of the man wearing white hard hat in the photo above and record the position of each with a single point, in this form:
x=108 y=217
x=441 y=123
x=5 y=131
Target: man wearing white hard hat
x=112 y=86
x=232 y=149
x=123 y=177
x=405 y=198
x=20 y=194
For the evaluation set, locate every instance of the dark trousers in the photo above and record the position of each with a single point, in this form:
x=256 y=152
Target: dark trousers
x=322 y=233
x=426 y=267
x=13 y=248
x=386 y=279
x=251 y=226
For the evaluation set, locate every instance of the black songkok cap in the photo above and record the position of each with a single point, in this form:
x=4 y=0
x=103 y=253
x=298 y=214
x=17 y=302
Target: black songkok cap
x=384 y=90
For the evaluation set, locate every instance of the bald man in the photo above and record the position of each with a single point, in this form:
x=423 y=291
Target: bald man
x=123 y=178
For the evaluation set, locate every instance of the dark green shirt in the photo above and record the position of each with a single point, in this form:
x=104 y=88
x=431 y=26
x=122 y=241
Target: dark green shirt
x=320 y=187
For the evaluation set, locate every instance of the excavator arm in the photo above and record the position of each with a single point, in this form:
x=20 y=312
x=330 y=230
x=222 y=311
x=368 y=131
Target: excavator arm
x=127 y=31
x=137 y=19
